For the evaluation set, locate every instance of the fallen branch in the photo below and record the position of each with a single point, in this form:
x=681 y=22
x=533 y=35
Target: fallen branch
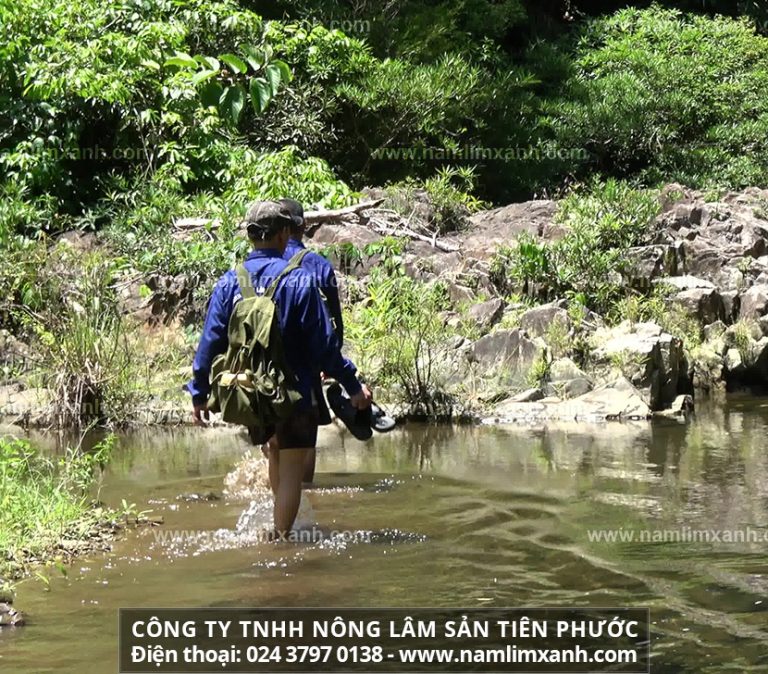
x=401 y=230
x=314 y=218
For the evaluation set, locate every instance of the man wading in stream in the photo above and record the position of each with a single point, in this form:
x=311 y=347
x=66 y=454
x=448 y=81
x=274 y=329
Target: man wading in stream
x=309 y=341
x=325 y=277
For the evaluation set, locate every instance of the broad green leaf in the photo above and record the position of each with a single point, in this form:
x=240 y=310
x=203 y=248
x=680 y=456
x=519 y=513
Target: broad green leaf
x=261 y=94
x=149 y=63
x=285 y=70
x=203 y=76
x=274 y=78
x=232 y=102
x=237 y=64
x=211 y=94
x=254 y=56
x=181 y=60
x=209 y=62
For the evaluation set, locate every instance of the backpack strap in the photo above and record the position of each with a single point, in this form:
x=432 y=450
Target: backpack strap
x=246 y=285
x=293 y=263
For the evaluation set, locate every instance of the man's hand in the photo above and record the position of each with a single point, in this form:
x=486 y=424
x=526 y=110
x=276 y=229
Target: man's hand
x=200 y=414
x=362 y=399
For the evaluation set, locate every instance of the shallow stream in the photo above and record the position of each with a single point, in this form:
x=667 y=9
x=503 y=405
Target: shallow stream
x=439 y=516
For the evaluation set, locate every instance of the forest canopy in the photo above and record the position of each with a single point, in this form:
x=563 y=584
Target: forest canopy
x=122 y=115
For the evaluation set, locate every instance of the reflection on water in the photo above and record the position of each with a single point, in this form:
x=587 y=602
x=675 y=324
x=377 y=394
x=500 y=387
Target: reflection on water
x=446 y=517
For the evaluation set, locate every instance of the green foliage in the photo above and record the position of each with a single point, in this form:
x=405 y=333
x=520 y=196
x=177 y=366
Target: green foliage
x=395 y=331
x=449 y=199
x=601 y=222
x=668 y=96
x=657 y=308
x=69 y=312
x=416 y=30
x=45 y=500
x=226 y=82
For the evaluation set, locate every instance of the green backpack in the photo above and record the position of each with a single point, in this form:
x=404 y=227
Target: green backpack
x=251 y=384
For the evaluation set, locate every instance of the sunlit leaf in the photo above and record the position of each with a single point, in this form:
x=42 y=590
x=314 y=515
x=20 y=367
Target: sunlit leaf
x=237 y=64
x=261 y=94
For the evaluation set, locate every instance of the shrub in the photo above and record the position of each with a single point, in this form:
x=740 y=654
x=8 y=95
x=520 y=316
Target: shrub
x=449 y=199
x=668 y=96
x=43 y=501
x=79 y=334
x=602 y=221
x=395 y=332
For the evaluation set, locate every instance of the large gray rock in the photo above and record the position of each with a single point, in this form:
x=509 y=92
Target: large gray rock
x=707 y=366
x=616 y=401
x=645 y=263
x=540 y=321
x=502 y=226
x=567 y=380
x=704 y=304
x=486 y=314
x=13 y=352
x=352 y=236
x=754 y=302
x=685 y=282
x=650 y=358
x=506 y=355
x=723 y=242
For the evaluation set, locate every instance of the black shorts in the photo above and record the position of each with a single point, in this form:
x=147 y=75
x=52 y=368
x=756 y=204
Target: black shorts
x=299 y=431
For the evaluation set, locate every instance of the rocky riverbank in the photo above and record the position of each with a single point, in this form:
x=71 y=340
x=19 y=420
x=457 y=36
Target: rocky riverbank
x=525 y=356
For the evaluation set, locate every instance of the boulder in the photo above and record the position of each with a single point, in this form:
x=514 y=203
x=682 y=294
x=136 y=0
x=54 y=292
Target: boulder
x=723 y=242
x=645 y=263
x=173 y=297
x=714 y=330
x=650 y=358
x=567 y=380
x=528 y=396
x=13 y=352
x=685 y=282
x=459 y=294
x=733 y=362
x=704 y=304
x=486 y=314
x=731 y=304
x=9 y=616
x=348 y=241
x=17 y=403
x=507 y=355
x=539 y=320
x=754 y=302
x=617 y=401
x=707 y=366
x=681 y=407
x=502 y=226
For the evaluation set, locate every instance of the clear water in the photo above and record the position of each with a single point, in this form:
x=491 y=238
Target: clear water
x=438 y=516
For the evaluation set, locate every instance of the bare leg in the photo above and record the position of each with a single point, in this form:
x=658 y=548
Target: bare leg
x=290 y=469
x=274 y=468
x=309 y=466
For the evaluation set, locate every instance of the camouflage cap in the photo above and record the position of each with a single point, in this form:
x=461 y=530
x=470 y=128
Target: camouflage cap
x=295 y=209
x=265 y=218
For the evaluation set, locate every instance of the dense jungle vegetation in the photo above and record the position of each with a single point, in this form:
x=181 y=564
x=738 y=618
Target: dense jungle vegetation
x=119 y=118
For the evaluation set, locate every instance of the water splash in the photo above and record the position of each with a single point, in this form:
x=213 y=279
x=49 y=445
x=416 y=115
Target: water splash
x=249 y=479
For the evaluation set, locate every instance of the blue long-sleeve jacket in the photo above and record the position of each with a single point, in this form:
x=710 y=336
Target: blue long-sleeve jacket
x=310 y=342
x=326 y=279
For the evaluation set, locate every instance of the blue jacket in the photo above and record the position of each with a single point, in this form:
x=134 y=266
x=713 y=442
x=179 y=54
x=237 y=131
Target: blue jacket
x=326 y=278
x=310 y=343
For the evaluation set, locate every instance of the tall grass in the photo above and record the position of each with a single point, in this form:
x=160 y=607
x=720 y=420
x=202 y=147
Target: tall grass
x=45 y=501
x=84 y=358
x=396 y=331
